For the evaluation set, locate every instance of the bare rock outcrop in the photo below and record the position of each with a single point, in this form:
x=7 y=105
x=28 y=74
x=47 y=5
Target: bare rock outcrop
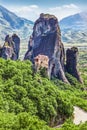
x=46 y=40
x=71 y=63
x=16 y=41
x=11 y=48
x=7 y=52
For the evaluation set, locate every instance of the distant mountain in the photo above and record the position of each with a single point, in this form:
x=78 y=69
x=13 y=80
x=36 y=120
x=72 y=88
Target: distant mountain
x=11 y=23
x=74 y=28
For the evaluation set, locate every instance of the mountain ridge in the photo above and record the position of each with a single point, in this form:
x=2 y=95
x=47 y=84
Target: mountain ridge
x=74 y=28
x=11 y=23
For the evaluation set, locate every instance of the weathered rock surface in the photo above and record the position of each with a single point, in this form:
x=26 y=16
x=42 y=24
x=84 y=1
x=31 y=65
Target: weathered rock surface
x=11 y=47
x=46 y=40
x=16 y=41
x=7 y=52
x=71 y=63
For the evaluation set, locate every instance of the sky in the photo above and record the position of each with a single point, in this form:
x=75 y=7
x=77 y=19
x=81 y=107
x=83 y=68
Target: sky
x=31 y=9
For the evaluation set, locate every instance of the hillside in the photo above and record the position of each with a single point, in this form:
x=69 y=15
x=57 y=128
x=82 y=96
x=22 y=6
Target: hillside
x=74 y=28
x=11 y=23
x=29 y=100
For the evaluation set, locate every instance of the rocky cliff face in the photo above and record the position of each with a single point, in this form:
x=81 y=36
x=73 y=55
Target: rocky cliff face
x=16 y=41
x=46 y=40
x=71 y=63
x=11 y=47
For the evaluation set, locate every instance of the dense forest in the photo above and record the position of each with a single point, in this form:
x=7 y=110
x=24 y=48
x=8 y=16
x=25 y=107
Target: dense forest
x=30 y=101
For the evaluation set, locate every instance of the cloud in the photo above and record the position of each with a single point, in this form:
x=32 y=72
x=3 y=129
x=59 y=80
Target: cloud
x=71 y=6
x=32 y=12
x=34 y=6
x=64 y=10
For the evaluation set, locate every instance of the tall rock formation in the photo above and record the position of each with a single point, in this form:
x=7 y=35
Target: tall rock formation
x=11 y=47
x=46 y=40
x=16 y=41
x=71 y=63
x=7 y=52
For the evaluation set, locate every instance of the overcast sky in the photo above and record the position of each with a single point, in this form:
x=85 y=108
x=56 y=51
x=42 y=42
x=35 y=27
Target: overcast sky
x=31 y=9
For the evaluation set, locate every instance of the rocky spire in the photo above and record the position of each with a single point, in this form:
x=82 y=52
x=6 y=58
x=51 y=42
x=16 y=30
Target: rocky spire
x=16 y=48
x=46 y=40
x=11 y=47
x=71 y=63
